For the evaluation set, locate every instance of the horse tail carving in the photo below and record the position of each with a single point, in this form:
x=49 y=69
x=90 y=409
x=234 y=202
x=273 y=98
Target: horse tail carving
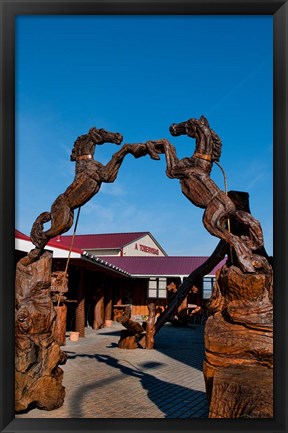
x=37 y=235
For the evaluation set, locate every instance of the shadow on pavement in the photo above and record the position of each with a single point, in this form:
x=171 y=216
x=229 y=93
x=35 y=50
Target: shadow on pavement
x=177 y=343
x=180 y=344
x=173 y=400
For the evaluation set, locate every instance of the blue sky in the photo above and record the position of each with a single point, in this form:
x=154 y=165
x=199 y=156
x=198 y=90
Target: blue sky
x=137 y=75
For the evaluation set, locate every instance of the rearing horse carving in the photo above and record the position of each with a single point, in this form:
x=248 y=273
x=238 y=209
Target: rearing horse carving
x=196 y=184
x=88 y=179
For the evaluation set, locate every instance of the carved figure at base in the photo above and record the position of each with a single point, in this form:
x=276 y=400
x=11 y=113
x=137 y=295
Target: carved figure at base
x=38 y=377
x=238 y=366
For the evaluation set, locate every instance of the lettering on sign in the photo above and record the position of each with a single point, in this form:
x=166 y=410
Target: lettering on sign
x=150 y=250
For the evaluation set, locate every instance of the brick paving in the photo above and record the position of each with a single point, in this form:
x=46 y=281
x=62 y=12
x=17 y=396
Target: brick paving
x=103 y=381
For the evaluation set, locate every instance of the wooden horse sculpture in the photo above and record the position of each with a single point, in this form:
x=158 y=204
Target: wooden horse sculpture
x=194 y=175
x=88 y=179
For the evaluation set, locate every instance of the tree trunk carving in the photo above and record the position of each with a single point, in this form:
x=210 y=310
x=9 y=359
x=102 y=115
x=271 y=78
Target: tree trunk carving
x=38 y=375
x=136 y=335
x=130 y=336
x=238 y=366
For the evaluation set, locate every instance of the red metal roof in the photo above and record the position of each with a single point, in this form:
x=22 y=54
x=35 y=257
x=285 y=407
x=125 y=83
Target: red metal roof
x=160 y=265
x=107 y=240
x=52 y=243
x=21 y=235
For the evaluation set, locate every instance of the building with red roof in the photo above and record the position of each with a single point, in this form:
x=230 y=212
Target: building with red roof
x=115 y=270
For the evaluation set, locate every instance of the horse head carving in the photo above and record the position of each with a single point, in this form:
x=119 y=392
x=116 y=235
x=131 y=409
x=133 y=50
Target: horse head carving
x=207 y=141
x=85 y=144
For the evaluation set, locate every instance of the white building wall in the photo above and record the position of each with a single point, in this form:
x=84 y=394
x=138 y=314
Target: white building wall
x=144 y=246
x=101 y=252
x=27 y=246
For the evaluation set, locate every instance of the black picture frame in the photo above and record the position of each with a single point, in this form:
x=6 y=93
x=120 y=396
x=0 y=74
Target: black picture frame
x=9 y=10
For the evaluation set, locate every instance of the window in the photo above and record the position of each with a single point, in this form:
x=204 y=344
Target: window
x=208 y=283
x=157 y=288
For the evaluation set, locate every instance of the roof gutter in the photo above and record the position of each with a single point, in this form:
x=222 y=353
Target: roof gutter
x=103 y=263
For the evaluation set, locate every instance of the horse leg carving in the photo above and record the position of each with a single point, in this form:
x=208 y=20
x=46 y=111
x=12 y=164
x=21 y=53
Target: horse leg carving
x=37 y=235
x=38 y=238
x=155 y=147
x=215 y=220
x=110 y=171
x=164 y=146
x=142 y=149
x=61 y=217
x=254 y=236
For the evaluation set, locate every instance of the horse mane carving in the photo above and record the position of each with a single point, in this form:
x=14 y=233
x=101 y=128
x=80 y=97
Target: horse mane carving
x=85 y=144
x=203 y=125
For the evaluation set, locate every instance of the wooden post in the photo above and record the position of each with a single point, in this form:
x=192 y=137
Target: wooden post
x=99 y=310
x=80 y=309
x=59 y=331
x=183 y=306
x=108 y=308
x=150 y=328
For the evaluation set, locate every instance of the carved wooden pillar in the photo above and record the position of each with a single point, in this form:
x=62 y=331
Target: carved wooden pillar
x=59 y=331
x=99 y=309
x=238 y=366
x=38 y=377
x=59 y=287
x=80 y=309
x=150 y=326
x=108 y=308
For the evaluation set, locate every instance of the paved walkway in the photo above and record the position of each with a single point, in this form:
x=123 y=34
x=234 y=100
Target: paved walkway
x=103 y=381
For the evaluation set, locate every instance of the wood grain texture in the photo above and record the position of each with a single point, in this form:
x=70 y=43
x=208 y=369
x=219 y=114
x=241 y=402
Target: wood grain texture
x=239 y=392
